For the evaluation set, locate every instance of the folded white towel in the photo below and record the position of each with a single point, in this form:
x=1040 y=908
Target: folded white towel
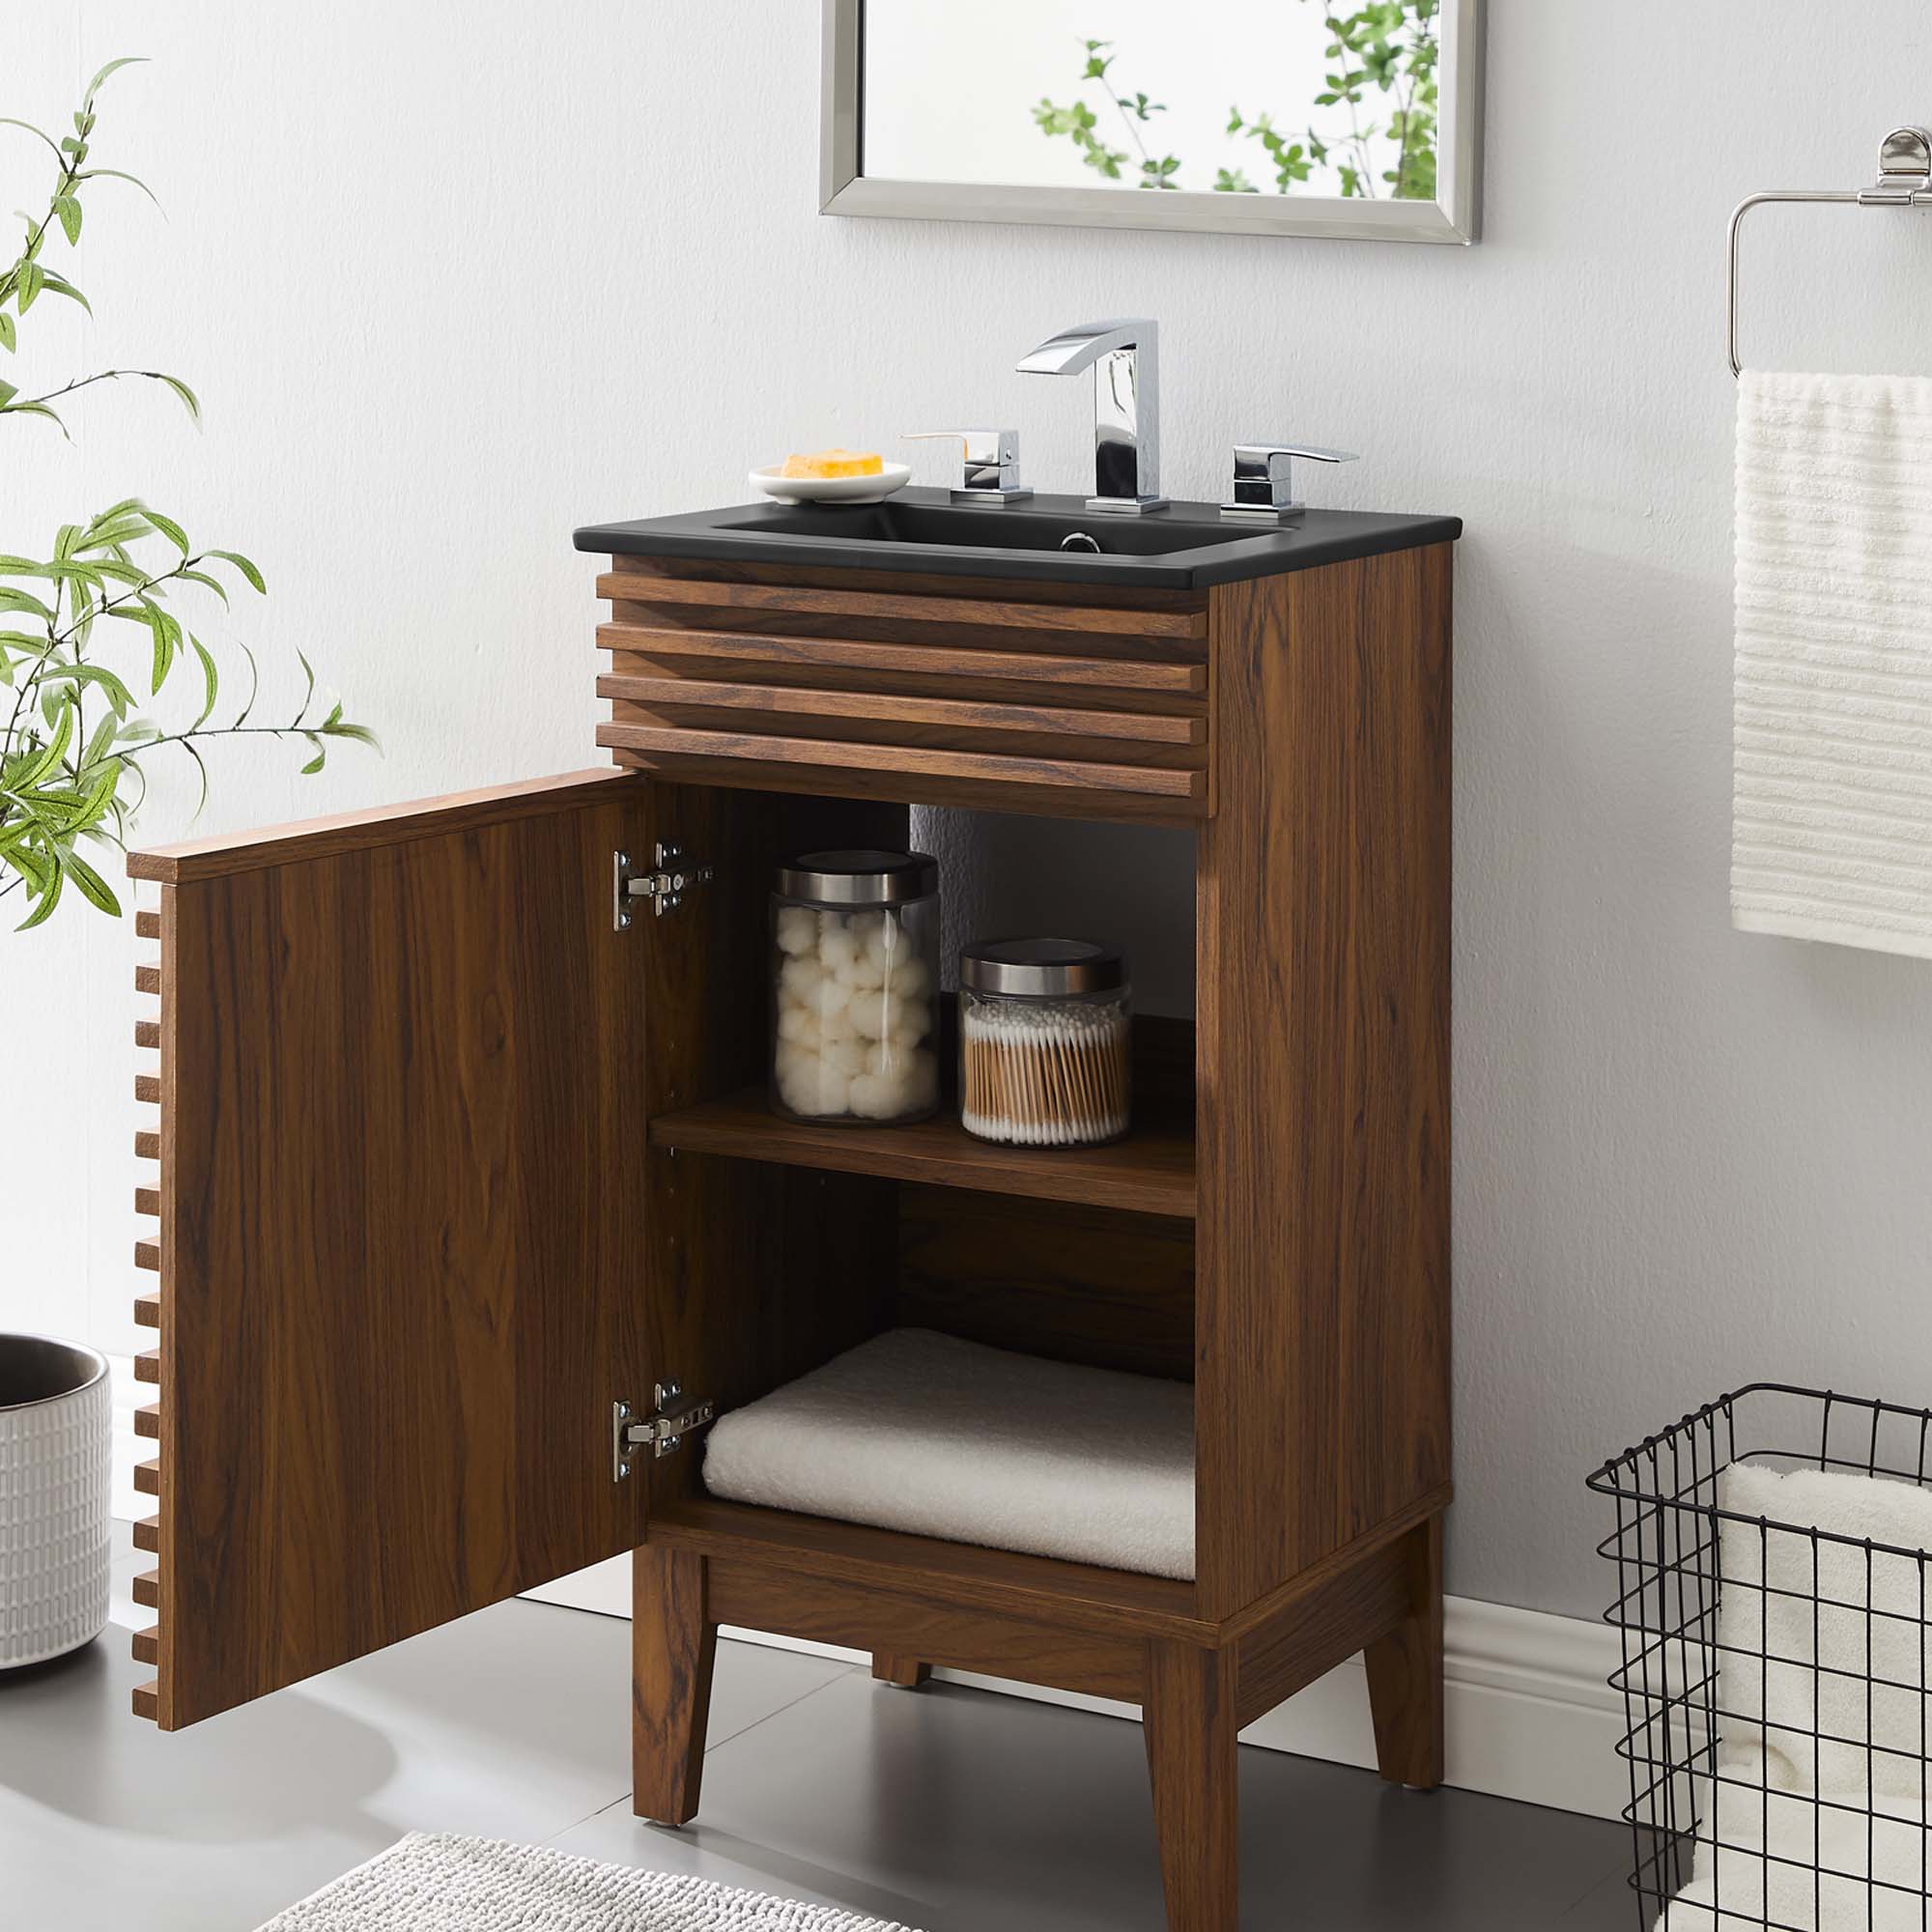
x=922 y=1431
x=1833 y=795
x=1802 y=1630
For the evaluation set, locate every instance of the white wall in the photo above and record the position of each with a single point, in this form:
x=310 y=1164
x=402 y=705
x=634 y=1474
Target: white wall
x=453 y=278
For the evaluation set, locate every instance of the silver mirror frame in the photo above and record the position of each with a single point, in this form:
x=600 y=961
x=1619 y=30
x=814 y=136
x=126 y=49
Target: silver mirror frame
x=1452 y=217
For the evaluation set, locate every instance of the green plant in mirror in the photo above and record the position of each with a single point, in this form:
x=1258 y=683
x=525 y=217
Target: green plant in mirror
x=1384 y=60
x=72 y=745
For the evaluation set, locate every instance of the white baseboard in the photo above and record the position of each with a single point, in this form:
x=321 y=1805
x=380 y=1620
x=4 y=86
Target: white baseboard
x=1530 y=1712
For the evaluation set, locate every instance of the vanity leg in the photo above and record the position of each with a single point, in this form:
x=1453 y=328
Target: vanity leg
x=1406 y=1672
x=673 y=1646
x=1189 y=1721
x=907 y=1672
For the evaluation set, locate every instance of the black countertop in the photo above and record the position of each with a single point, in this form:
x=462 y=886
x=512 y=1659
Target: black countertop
x=1184 y=547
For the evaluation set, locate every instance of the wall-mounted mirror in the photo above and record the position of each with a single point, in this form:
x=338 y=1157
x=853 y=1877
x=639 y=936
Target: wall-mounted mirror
x=1251 y=117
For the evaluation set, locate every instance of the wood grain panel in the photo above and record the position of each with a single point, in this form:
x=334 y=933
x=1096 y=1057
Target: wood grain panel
x=148 y=1421
x=147 y=925
x=148 y=1255
x=1322 y=971
x=1035 y=1589
x=147 y=1533
x=1151 y=1172
x=982 y=611
x=148 y=1478
x=859 y=781
x=413 y=1047
x=913 y=1629
x=1044 y=773
x=148 y=1311
x=147 y=1200
x=147 y=1089
x=147 y=1146
x=148 y=1700
x=950 y=715
x=1058 y=1279
x=146 y=1032
x=147 y=1366
x=147 y=979
x=970 y=664
x=146 y=1589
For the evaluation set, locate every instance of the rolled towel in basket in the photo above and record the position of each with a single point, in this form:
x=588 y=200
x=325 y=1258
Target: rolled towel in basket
x=1816 y=1814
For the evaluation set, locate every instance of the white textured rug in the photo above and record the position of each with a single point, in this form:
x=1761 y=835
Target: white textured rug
x=431 y=1883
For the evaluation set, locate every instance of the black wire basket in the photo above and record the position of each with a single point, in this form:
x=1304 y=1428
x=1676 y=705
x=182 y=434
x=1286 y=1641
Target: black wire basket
x=1775 y=1663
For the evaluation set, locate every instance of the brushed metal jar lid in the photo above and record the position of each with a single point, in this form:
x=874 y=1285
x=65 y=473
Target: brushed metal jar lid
x=860 y=877
x=1046 y=969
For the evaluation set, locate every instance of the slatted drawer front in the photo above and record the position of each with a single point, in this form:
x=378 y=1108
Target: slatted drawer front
x=148 y=1300
x=934 y=693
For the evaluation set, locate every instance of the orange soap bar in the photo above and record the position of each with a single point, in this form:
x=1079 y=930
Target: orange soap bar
x=833 y=463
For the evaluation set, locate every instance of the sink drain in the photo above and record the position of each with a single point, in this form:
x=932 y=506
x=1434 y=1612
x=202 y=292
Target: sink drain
x=1080 y=540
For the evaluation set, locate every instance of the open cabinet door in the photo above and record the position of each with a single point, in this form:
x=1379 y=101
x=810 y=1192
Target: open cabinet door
x=402 y=1121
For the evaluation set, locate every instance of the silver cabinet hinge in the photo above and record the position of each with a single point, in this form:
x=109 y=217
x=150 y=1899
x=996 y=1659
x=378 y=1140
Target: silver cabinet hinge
x=674 y=1416
x=671 y=877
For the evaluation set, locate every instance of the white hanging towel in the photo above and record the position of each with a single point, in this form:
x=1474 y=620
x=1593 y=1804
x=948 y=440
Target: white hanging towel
x=1832 y=809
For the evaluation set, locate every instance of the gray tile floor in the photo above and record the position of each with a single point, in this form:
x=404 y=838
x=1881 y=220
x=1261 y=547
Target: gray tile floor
x=953 y=1810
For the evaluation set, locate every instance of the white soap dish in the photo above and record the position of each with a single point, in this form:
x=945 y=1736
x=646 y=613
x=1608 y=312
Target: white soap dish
x=832 y=489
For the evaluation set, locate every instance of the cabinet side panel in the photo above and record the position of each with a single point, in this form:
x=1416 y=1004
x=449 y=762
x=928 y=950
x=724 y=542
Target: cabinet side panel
x=1322 y=1304
x=402 y=1267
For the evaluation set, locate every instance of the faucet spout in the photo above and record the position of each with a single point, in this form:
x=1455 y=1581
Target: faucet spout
x=1125 y=356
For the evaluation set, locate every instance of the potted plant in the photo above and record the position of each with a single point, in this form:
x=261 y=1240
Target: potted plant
x=83 y=628
x=101 y=611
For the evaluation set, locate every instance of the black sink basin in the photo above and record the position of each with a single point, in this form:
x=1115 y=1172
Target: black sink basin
x=1185 y=546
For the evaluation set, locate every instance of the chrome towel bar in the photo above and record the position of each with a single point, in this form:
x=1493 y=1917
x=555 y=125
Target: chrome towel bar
x=1904 y=181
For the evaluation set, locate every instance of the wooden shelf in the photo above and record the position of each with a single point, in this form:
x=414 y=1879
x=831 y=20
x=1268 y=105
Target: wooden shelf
x=1151 y=1172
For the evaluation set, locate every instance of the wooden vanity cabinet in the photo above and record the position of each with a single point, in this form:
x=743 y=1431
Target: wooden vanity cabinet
x=450 y=1162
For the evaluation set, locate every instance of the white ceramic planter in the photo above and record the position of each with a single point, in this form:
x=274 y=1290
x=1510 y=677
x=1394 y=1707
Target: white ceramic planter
x=56 y=1453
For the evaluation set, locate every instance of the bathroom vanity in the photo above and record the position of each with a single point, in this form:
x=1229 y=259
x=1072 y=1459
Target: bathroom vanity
x=470 y=1205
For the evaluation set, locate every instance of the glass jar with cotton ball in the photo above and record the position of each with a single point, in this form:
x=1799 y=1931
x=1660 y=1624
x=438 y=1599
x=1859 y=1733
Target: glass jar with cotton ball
x=855 y=987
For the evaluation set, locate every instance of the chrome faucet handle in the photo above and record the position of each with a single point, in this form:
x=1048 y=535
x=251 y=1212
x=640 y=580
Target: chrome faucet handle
x=1264 y=487
x=990 y=464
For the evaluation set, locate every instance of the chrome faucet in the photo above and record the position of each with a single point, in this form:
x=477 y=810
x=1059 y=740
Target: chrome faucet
x=1125 y=357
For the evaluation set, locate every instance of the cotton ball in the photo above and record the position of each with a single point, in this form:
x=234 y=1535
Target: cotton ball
x=877 y=1015
x=912 y=1022
x=844 y=1056
x=827 y=997
x=832 y=1090
x=798 y=979
x=798 y=1080
x=866 y=972
x=789 y=1057
x=909 y=979
x=864 y=927
x=887 y=1058
x=838 y=1023
x=797 y=929
x=837 y=946
x=799 y=1025
x=875 y=1097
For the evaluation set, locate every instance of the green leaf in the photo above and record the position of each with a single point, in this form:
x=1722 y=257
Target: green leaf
x=207 y=582
x=315 y=764
x=36 y=410
x=8 y=334
x=112 y=67
x=30 y=276
x=92 y=887
x=189 y=400
x=168 y=528
x=8 y=391
x=211 y=681
x=119 y=174
x=38 y=133
x=44 y=901
x=242 y=563
x=308 y=672
x=68 y=211
x=60 y=285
